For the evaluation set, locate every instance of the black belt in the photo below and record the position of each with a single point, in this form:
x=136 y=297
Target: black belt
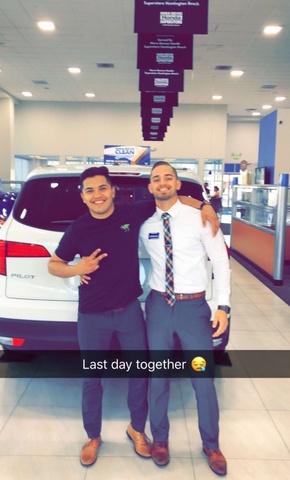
x=183 y=296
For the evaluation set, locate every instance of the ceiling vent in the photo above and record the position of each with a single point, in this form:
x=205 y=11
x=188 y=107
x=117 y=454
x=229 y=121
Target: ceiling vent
x=105 y=65
x=223 y=67
x=268 y=87
x=40 y=82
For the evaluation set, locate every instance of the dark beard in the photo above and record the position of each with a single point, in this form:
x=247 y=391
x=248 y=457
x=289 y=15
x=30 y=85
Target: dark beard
x=163 y=198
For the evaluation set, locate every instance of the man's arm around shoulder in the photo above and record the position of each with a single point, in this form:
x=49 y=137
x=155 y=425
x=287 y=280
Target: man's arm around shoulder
x=207 y=212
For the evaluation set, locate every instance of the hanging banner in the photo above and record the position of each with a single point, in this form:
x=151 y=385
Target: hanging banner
x=153 y=134
x=164 y=99
x=149 y=133
x=147 y=111
x=159 y=80
x=171 y=16
x=156 y=121
x=154 y=128
x=159 y=51
x=153 y=138
x=126 y=154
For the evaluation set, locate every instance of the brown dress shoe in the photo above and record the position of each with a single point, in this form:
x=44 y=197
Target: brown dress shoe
x=142 y=445
x=89 y=452
x=216 y=460
x=160 y=453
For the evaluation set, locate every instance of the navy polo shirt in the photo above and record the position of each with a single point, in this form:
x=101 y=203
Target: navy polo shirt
x=116 y=283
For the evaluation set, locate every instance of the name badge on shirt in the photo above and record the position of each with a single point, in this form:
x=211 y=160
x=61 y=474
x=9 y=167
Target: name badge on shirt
x=153 y=236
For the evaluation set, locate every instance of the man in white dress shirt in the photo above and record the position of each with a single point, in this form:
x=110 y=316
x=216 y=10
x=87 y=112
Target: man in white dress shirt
x=186 y=315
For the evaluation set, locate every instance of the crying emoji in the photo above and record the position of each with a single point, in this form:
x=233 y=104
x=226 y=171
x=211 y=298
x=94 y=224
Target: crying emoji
x=198 y=364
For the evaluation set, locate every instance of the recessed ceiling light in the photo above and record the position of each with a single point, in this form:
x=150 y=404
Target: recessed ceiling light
x=272 y=29
x=90 y=95
x=216 y=97
x=256 y=114
x=267 y=107
x=46 y=26
x=237 y=73
x=280 y=99
x=74 y=70
x=26 y=94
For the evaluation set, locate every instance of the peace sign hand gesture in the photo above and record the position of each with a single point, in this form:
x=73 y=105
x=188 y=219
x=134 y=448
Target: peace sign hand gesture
x=91 y=263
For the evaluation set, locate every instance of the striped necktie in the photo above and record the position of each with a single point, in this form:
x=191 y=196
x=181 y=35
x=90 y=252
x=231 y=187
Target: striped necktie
x=169 y=281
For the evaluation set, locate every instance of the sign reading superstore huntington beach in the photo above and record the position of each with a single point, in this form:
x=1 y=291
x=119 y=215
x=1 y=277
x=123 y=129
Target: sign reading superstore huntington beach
x=171 y=16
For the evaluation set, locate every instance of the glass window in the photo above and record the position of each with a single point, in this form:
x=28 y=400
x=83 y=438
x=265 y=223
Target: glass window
x=95 y=160
x=62 y=202
x=73 y=159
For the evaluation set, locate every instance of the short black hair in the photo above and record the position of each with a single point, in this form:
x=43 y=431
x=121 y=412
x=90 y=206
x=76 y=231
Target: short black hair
x=162 y=162
x=93 y=172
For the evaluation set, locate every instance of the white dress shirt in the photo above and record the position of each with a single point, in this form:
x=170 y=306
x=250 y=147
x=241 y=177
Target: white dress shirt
x=193 y=244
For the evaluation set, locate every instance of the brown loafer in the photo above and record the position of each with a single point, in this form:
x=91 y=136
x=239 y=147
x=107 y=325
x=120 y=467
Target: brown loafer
x=89 y=452
x=142 y=445
x=160 y=453
x=216 y=460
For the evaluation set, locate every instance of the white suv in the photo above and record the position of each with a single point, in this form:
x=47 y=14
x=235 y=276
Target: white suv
x=38 y=310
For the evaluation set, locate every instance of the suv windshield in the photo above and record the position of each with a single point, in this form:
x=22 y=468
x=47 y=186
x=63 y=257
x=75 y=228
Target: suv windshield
x=52 y=203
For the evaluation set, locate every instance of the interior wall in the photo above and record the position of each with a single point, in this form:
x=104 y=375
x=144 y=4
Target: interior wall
x=82 y=129
x=6 y=138
x=267 y=144
x=243 y=140
x=53 y=128
x=282 y=153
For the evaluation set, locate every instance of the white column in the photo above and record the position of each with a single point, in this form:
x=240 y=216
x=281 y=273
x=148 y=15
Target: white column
x=6 y=139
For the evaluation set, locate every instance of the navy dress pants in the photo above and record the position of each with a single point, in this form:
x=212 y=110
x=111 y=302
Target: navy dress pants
x=95 y=332
x=190 y=321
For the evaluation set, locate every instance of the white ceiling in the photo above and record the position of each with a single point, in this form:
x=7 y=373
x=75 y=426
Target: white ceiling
x=101 y=31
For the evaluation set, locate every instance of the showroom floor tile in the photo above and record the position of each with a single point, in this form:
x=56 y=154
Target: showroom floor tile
x=41 y=430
